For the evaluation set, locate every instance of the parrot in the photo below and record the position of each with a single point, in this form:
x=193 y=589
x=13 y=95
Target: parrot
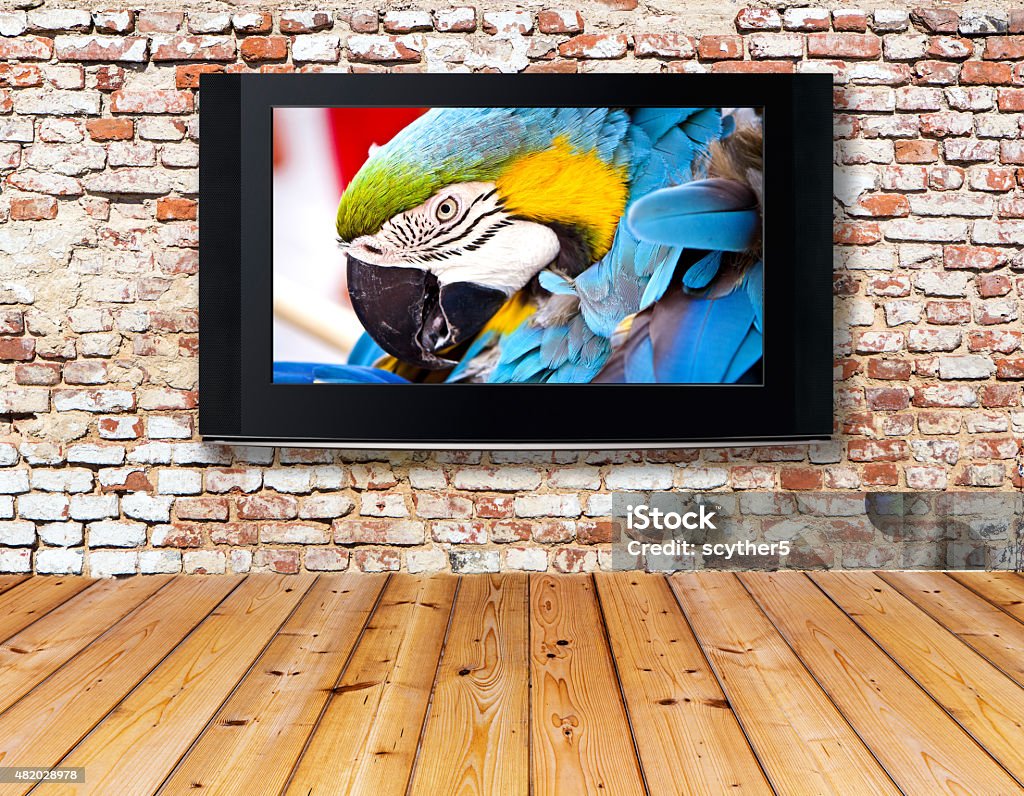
x=556 y=245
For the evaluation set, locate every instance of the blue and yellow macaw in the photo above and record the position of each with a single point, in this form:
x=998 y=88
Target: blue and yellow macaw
x=565 y=245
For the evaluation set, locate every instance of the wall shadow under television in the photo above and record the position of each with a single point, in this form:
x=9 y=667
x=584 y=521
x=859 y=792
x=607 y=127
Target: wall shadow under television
x=536 y=261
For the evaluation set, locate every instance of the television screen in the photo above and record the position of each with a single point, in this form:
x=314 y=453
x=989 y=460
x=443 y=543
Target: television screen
x=520 y=261
x=518 y=245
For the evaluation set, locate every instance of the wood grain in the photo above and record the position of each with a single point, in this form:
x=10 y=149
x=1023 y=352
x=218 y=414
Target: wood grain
x=1005 y=590
x=258 y=734
x=801 y=739
x=43 y=726
x=26 y=602
x=979 y=624
x=8 y=582
x=921 y=747
x=981 y=698
x=366 y=739
x=581 y=740
x=135 y=746
x=678 y=710
x=28 y=657
x=476 y=737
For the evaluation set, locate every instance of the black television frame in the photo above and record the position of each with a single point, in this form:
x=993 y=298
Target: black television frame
x=239 y=403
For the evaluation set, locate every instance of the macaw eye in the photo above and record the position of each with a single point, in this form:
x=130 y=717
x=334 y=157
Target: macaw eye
x=446 y=210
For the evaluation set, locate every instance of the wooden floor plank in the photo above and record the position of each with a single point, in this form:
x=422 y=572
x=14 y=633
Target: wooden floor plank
x=1004 y=590
x=476 y=740
x=801 y=739
x=985 y=701
x=677 y=707
x=23 y=604
x=921 y=747
x=581 y=739
x=43 y=726
x=974 y=620
x=260 y=731
x=134 y=747
x=30 y=656
x=8 y=582
x=366 y=739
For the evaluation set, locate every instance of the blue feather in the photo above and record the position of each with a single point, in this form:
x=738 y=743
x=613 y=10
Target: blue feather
x=556 y=283
x=366 y=351
x=700 y=274
x=318 y=373
x=709 y=214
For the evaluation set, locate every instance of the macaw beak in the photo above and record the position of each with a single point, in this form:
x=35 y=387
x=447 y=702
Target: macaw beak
x=412 y=316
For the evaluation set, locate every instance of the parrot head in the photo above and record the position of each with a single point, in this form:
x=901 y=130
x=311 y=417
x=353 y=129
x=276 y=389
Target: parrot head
x=462 y=209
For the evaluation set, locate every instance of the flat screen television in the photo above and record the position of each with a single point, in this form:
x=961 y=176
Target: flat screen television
x=537 y=261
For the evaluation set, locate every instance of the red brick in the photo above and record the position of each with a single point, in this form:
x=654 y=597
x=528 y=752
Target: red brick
x=843 y=45
x=851 y=20
x=985 y=73
x=880 y=474
x=754 y=67
x=110 y=129
x=102 y=48
x=916 y=151
x=1010 y=369
x=885 y=204
x=252 y=22
x=720 y=48
x=306 y=21
x=160 y=21
x=193 y=48
x=856 y=233
x=109 y=78
x=800 y=478
x=17 y=349
x=187 y=76
x=992 y=285
x=174 y=208
x=999 y=395
x=567 y=21
x=1004 y=48
x=758 y=19
x=43 y=374
x=33 y=208
x=948 y=313
x=889 y=369
x=179 y=534
x=936 y=20
x=265 y=48
x=936 y=73
x=880 y=450
x=595 y=45
x=978 y=258
x=267 y=506
x=284 y=562
x=950 y=48
x=202 y=508
x=26 y=48
x=552 y=67
x=885 y=399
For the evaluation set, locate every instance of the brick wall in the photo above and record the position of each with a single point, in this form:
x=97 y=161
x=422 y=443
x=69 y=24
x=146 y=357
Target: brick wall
x=101 y=470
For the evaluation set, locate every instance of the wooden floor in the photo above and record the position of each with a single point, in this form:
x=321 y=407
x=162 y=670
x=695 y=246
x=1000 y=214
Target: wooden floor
x=819 y=683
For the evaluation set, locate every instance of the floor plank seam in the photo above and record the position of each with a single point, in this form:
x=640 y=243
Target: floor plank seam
x=142 y=680
x=433 y=687
x=618 y=682
x=821 y=685
x=916 y=682
x=952 y=576
x=48 y=611
x=725 y=691
x=96 y=640
x=337 y=681
x=234 y=689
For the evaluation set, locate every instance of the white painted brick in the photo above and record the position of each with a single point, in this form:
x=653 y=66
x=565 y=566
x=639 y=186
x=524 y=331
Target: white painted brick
x=200 y=453
x=239 y=561
x=6 y=507
x=168 y=427
x=43 y=507
x=15 y=560
x=151 y=453
x=529 y=559
x=13 y=482
x=294 y=533
x=548 y=506
x=179 y=482
x=8 y=455
x=701 y=478
x=117 y=534
x=107 y=564
x=61 y=534
x=17 y=533
x=599 y=505
x=430 y=560
x=325 y=507
x=208 y=562
x=156 y=562
x=427 y=478
x=579 y=477
x=379 y=504
x=639 y=476
x=497 y=479
x=59 y=562
x=150 y=508
x=69 y=479
x=966 y=367
x=293 y=480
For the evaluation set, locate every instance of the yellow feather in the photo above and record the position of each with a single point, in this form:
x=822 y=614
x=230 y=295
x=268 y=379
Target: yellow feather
x=511 y=316
x=568 y=186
